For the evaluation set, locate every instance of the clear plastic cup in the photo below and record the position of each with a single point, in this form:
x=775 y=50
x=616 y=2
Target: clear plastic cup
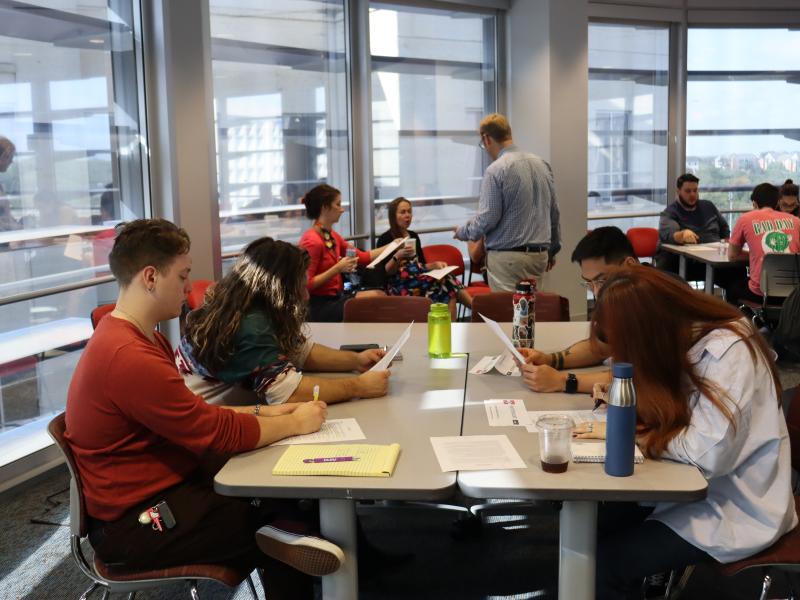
x=555 y=438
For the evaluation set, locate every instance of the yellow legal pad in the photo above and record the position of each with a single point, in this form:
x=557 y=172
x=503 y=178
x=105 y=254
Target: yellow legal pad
x=343 y=460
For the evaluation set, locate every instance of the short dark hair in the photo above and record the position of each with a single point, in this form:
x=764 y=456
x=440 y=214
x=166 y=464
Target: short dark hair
x=790 y=188
x=608 y=243
x=146 y=243
x=319 y=197
x=765 y=194
x=686 y=177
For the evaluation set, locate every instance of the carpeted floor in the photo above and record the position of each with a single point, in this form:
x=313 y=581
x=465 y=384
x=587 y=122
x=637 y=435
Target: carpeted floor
x=512 y=559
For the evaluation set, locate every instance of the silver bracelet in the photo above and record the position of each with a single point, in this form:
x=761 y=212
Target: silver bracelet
x=257 y=410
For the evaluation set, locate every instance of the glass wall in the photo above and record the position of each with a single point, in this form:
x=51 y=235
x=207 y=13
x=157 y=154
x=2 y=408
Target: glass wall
x=742 y=117
x=628 y=123
x=433 y=80
x=70 y=169
x=280 y=109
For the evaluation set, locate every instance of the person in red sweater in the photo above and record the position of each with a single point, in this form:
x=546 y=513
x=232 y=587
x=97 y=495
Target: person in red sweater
x=139 y=436
x=328 y=253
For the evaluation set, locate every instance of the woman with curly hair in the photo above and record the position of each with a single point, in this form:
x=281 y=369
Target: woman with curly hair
x=248 y=337
x=406 y=270
x=707 y=395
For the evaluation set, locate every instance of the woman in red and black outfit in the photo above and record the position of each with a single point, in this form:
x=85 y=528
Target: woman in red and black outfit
x=328 y=253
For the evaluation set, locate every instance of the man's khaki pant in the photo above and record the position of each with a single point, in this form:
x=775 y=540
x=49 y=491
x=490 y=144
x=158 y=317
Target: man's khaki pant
x=507 y=269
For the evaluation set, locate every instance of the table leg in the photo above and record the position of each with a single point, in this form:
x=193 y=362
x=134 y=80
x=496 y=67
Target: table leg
x=337 y=519
x=577 y=549
x=682 y=266
x=709 y=279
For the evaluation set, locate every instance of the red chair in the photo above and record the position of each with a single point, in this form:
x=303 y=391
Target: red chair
x=784 y=554
x=445 y=253
x=196 y=296
x=452 y=256
x=644 y=241
x=387 y=309
x=499 y=306
x=100 y=312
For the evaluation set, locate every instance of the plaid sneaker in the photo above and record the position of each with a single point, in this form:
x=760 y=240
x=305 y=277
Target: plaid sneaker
x=308 y=554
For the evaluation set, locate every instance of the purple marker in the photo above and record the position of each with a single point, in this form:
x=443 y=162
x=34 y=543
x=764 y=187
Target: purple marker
x=330 y=459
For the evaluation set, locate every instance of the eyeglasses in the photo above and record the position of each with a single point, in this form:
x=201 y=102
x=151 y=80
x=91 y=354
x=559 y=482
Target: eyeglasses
x=481 y=145
x=594 y=284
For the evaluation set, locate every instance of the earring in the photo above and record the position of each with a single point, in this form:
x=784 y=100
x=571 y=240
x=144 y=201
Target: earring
x=150 y=290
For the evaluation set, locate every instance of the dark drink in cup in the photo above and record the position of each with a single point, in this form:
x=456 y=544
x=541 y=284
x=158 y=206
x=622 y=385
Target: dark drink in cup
x=554 y=467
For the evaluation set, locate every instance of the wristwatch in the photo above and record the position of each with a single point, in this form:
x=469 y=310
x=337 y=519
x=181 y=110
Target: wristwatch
x=572 y=383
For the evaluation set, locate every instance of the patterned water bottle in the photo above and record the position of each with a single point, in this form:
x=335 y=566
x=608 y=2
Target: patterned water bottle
x=523 y=327
x=621 y=426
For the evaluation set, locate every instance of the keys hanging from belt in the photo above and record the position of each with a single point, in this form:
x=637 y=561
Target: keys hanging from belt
x=158 y=517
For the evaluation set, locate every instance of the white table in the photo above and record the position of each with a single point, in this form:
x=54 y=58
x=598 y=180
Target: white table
x=708 y=254
x=582 y=486
x=426 y=398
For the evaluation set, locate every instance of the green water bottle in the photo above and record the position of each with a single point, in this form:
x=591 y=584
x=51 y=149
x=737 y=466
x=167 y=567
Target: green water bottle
x=439 y=331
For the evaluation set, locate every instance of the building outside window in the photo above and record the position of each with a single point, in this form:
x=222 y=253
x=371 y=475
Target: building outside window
x=71 y=167
x=433 y=80
x=281 y=116
x=628 y=123
x=743 y=124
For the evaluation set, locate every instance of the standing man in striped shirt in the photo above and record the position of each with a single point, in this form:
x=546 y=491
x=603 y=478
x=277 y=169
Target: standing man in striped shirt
x=517 y=211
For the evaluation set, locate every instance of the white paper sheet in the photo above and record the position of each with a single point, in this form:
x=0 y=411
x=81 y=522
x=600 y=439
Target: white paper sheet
x=74 y=247
x=503 y=363
x=439 y=273
x=505 y=412
x=577 y=416
x=498 y=331
x=384 y=363
x=332 y=430
x=476 y=453
x=390 y=248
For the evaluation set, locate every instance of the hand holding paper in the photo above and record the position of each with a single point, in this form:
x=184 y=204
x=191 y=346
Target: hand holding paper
x=384 y=363
x=498 y=331
x=387 y=251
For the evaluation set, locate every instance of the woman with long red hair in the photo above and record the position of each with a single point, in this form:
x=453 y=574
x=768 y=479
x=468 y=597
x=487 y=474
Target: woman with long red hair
x=708 y=395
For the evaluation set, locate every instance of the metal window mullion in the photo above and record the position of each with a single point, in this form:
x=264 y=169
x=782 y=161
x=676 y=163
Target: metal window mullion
x=358 y=61
x=676 y=154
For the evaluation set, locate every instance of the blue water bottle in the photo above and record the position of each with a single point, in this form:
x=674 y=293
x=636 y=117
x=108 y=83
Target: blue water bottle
x=621 y=426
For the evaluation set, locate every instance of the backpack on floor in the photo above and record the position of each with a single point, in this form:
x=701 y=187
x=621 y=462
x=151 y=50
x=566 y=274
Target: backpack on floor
x=786 y=337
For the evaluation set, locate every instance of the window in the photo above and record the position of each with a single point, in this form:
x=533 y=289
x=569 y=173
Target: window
x=280 y=107
x=743 y=125
x=433 y=80
x=70 y=109
x=628 y=123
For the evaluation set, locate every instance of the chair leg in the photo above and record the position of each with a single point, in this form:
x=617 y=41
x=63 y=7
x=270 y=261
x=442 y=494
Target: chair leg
x=765 y=585
x=89 y=591
x=252 y=586
x=106 y=594
x=193 y=589
x=132 y=596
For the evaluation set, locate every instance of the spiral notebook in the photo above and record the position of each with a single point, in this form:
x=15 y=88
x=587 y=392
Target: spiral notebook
x=595 y=452
x=340 y=460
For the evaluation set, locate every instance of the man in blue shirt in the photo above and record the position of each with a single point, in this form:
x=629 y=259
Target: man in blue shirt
x=517 y=211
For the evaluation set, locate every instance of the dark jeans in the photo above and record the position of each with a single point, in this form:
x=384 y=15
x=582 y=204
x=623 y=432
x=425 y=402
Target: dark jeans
x=210 y=529
x=326 y=309
x=740 y=291
x=630 y=548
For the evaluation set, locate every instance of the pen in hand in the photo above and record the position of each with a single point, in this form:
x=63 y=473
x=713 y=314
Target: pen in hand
x=316 y=393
